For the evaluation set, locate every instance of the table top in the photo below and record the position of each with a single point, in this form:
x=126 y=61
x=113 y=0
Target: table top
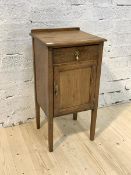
x=62 y=37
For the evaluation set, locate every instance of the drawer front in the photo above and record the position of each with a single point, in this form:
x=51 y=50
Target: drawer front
x=71 y=54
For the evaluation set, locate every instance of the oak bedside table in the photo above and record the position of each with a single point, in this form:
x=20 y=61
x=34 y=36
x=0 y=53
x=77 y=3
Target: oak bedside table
x=67 y=66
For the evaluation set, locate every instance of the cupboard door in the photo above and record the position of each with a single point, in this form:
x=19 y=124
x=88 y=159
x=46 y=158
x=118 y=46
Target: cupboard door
x=74 y=87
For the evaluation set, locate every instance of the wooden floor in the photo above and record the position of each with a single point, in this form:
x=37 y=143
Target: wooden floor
x=23 y=149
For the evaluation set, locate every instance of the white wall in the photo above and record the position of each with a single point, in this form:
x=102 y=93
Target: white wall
x=107 y=18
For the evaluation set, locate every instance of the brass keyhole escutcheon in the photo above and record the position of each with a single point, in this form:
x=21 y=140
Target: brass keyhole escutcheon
x=77 y=54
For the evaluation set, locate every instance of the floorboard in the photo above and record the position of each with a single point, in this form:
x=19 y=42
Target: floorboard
x=24 y=149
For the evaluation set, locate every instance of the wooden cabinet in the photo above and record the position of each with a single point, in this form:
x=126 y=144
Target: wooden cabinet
x=67 y=66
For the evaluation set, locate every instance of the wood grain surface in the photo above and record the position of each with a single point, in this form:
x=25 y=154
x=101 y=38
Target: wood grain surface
x=24 y=150
x=65 y=37
x=75 y=87
x=67 y=55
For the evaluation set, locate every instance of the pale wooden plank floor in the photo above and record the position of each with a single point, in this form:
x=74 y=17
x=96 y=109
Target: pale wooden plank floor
x=23 y=149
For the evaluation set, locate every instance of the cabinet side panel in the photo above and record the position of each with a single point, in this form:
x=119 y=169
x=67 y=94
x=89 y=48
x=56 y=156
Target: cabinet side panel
x=98 y=73
x=41 y=68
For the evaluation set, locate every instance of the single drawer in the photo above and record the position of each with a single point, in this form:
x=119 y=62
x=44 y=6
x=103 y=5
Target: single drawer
x=70 y=54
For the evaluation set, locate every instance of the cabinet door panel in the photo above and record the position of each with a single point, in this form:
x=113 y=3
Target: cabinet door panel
x=75 y=84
